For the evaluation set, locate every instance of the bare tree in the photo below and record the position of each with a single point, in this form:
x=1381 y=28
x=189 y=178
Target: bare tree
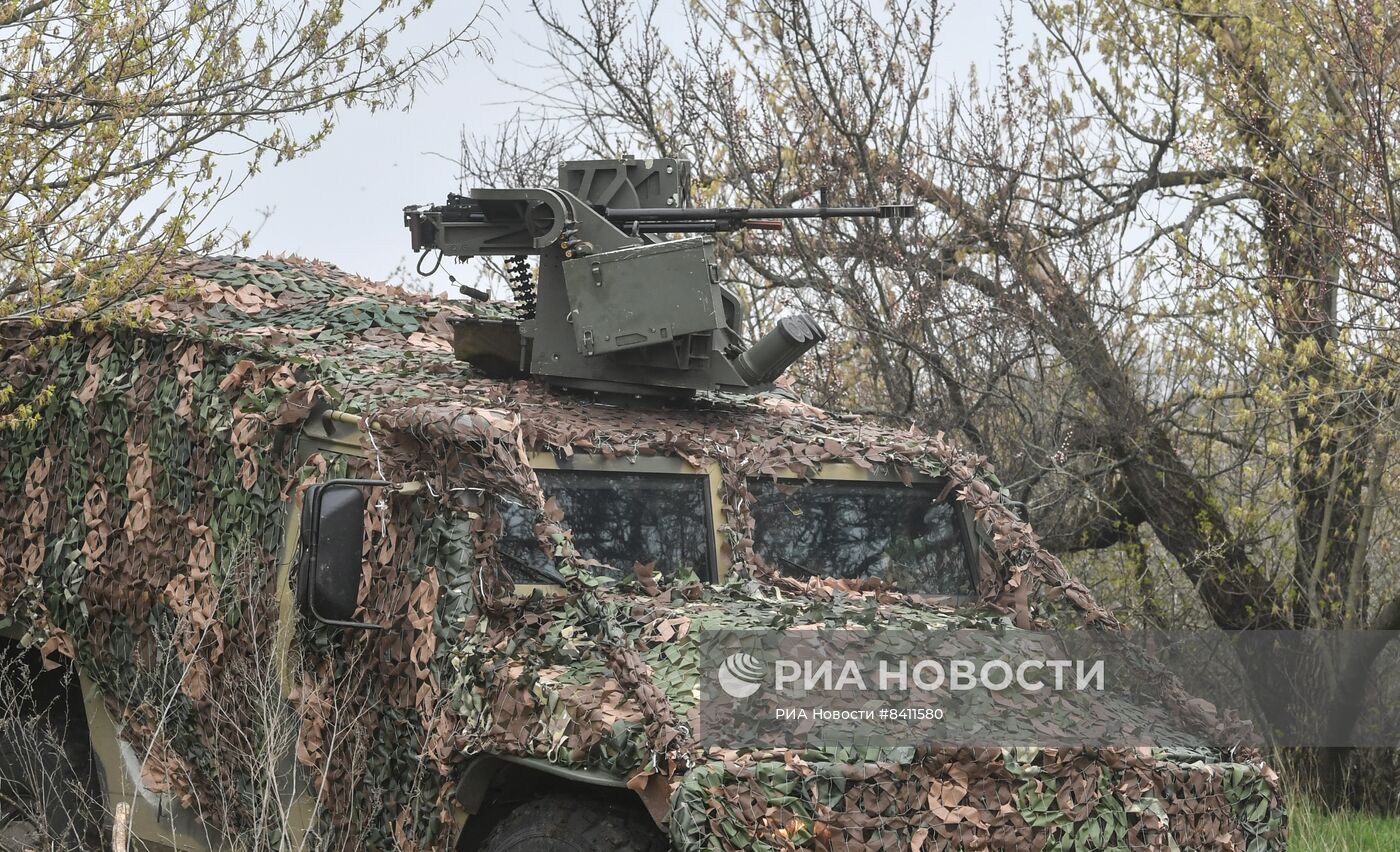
x=1156 y=276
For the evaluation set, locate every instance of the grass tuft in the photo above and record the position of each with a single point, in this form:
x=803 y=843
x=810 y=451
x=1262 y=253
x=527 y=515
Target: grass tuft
x=1313 y=830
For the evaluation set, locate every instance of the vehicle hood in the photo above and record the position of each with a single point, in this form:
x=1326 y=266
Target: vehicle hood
x=557 y=698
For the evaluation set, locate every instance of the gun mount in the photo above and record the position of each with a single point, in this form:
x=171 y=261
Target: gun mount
x=615 y=306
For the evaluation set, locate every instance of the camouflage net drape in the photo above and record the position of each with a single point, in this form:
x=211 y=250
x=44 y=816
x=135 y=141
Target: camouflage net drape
x=146 y=464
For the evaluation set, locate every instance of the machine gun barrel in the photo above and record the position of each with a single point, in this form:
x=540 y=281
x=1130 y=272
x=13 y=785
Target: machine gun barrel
x=731 y=218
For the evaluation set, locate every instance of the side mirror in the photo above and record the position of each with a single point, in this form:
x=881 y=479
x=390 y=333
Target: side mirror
x=328 y=551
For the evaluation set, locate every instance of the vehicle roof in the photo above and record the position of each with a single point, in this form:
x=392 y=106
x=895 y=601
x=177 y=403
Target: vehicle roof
x=381 y=344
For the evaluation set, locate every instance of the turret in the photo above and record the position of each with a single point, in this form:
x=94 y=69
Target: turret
x=617 y=305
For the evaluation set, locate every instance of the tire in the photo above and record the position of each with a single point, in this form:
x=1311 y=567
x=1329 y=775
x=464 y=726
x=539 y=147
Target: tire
x=575 y=824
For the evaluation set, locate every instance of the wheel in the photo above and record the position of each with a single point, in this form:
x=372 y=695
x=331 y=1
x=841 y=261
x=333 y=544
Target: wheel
x=50 y=798
x=575 y=824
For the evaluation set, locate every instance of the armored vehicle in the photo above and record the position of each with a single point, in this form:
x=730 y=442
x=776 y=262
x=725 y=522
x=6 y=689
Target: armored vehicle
x=291 y=559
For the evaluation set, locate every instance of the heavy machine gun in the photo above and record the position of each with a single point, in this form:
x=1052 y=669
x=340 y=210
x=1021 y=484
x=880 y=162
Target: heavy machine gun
x=615 y=306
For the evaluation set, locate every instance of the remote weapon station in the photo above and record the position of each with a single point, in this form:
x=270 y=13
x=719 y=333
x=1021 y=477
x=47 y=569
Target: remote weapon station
x=618 y=305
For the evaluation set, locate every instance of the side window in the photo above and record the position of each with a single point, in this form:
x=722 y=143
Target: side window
x=617 y=519
x=862 y=529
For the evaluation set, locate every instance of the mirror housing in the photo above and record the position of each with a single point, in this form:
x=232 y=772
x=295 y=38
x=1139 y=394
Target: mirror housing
x=329 y=548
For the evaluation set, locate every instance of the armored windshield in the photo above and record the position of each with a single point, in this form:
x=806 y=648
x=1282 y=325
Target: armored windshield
x=853 y=530
x=617 y=519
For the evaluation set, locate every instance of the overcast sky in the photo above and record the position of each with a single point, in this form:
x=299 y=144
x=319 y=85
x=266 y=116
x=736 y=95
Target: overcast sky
x=343 y=202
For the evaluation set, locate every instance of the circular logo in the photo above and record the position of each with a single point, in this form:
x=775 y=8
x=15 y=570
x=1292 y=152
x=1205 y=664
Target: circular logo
x=741 y=674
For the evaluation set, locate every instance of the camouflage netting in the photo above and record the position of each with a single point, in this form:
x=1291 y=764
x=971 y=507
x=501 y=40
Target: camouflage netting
x=149 y=456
